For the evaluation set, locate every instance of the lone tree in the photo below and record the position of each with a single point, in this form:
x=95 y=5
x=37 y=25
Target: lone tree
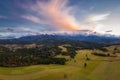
x=86 y=57
x=115 y=50
x=85 y=65
x=65 y=76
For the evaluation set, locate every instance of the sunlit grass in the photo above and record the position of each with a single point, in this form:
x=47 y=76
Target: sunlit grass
x=96 y=69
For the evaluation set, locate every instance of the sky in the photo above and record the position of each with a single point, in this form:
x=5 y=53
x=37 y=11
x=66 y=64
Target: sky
x=29 y=17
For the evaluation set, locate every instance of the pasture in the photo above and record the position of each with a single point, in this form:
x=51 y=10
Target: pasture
x=98 y=68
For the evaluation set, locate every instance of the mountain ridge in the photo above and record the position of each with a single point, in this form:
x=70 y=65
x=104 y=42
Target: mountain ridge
x=93 y=38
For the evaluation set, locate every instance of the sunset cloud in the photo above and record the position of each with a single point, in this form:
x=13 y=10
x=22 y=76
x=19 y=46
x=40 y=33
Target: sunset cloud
x=55 y=13
x=25 y=17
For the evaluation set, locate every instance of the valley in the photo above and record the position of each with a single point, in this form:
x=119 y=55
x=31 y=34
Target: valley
x=98 y=68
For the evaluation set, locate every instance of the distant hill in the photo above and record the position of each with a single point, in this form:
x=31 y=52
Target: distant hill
x=61 y=38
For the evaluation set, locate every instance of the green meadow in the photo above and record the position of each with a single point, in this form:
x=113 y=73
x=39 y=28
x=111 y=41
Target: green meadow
x=98 y=68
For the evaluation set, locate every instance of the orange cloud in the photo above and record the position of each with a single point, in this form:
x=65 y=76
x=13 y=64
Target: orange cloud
x=55 y=13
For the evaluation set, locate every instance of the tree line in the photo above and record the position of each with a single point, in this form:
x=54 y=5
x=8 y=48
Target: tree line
x=33 y=56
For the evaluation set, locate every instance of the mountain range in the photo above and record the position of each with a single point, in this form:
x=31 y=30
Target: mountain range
x=85 y=36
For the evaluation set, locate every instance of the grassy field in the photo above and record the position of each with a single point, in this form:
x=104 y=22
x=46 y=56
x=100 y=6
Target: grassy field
x=98 y=68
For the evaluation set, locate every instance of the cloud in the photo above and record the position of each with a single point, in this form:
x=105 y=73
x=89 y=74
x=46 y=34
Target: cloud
x=3 y=17
x=95 y=23
x=31 y=18
x=55 y=13
x=99 y=17
x=19 y=29
x=109 y=31
x=10 y=29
